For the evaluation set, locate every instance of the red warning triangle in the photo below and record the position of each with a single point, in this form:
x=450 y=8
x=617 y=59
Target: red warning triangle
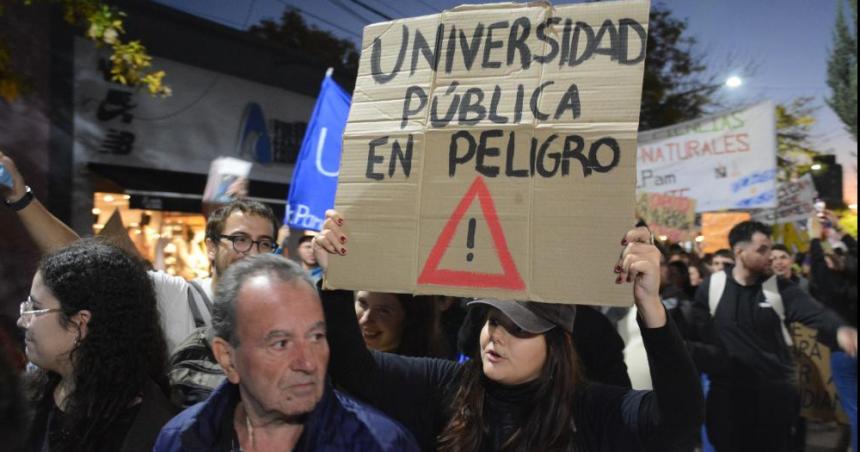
x=509 y=279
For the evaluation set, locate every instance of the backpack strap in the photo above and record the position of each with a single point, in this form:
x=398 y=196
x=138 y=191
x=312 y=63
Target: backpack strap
x=194 y=286
x=715 y=290
x=770 y=288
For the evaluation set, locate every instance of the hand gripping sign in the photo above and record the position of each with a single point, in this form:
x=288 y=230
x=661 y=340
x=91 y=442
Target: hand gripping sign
x=490 y=151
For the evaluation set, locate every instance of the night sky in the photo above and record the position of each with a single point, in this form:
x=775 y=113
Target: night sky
x=787 y=41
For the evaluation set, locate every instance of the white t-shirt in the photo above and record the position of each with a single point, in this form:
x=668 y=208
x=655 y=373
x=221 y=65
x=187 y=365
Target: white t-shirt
x=171 y=293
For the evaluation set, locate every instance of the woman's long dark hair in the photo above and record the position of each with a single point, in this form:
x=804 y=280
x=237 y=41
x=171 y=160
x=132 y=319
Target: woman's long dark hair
x=558 y=382
x=124 y=345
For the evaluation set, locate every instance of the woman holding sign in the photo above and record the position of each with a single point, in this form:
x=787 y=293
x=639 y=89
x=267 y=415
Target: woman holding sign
x=523 y=389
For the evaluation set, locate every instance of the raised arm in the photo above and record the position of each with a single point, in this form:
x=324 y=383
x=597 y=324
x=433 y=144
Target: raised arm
x=411 y=390
x=44 y=228
x=674 y=410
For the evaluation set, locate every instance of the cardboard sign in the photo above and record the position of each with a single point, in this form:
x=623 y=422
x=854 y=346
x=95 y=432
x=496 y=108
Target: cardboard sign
x=818 y=397
x=226 y=176
x=490 y=152
x=793 y=237
x=666 y=215
x=725 y=161
x=796 y=202
x=716 y=227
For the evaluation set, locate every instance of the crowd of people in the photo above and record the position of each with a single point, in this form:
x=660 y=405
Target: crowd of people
x=257 y=357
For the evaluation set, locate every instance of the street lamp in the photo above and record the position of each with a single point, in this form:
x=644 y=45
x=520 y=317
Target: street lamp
x=734 y=81
x=815 y=167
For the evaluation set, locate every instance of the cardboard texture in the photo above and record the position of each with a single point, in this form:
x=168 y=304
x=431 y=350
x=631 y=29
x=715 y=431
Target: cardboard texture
x=818 y=397
x=490 y=152
x=115 y=233
x=669 y=216
x=716 y=227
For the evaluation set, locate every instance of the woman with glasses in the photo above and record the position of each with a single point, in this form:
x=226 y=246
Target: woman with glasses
x=93 y=332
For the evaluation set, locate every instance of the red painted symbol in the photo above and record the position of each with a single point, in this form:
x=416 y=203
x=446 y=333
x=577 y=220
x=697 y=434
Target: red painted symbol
x=509 y=278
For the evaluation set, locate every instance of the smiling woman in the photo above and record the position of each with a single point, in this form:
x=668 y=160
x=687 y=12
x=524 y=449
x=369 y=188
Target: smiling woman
x=400 y=323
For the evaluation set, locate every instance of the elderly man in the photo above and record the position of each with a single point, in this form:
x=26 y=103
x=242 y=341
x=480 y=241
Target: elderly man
x=270 y=338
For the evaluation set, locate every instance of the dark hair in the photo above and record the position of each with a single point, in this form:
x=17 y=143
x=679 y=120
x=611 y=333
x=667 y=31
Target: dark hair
x=305 y=238
x=557 y=385
x=215 y=223
x=744 y=231
x=725 y=252
x=124 y=346
x=229 y=285
x=13 y=408
x=780 y=247
x=422 y=335
x=679 y=275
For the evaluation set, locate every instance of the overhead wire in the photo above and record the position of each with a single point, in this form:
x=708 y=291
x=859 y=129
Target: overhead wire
x=350 y=11
x=325 y=21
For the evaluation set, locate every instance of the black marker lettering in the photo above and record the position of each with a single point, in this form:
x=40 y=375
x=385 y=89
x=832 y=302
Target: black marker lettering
x=467 y=106
x=376 y=57
x=490 y=44
x=405 y=158
x=453 y=158
x=372 y=159
x=485 y=151
x=407 y=102
x=517 y=41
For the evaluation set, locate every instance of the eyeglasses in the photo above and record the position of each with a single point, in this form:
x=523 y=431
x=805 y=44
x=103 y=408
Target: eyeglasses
x=243 y=244
x=27 y=313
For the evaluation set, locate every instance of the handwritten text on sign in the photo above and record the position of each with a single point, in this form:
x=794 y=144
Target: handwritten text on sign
x=477 y=133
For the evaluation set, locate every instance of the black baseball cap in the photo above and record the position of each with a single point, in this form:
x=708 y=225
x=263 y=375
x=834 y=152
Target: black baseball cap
x=534 y=317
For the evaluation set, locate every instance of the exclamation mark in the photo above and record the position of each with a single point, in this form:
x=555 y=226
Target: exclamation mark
x=470 y=239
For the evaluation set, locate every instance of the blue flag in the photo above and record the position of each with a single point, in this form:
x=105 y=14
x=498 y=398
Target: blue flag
x=315 y=176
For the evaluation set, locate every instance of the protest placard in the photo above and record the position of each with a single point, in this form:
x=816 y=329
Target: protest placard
x=667 y=216
x=226 y=174
x=725 y=161
x=716 y=227
x=818 y=397
x=490 y=151
x=796 y=202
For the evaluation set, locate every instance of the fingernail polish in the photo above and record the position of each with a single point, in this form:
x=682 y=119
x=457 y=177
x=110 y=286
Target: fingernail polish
x=624 y=241
x=340 y=222
x=618 y=280
x=343 y=240
x=617 y=269
x=343 y=251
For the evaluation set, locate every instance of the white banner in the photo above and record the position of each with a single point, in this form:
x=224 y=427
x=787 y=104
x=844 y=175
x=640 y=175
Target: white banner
x=210 y=114
x=726 y=161
x=796 y=202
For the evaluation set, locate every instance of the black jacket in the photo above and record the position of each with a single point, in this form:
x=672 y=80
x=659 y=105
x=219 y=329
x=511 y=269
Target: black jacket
x=744 y=338
x=154 y=411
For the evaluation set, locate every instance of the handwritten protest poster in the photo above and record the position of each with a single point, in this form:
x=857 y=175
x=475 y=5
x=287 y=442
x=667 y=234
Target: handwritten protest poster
x=490 y=151
x=666 y=215
x=716 y=227
x=796 y=202
x=818 y=397
x=725 y=161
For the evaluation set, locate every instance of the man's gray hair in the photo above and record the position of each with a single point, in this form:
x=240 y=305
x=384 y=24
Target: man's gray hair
x=230 y=283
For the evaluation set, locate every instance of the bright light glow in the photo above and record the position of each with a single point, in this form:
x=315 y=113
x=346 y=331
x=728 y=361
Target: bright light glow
x=108 y=198
x=815 y=166
x=663 y=238
x=700 y=238
x=97 y=211
x=734 y=81
x=852 y=206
